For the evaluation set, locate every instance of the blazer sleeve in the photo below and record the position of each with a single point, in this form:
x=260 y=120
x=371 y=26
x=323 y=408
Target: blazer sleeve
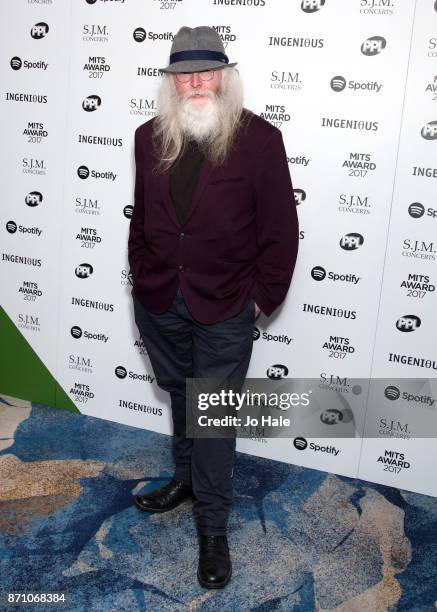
x=136 y=240
x=277 y=226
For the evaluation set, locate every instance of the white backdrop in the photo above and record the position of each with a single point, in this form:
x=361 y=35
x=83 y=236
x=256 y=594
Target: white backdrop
x=352 y=84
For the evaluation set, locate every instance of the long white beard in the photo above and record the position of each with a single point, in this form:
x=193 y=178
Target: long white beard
x=200 y=122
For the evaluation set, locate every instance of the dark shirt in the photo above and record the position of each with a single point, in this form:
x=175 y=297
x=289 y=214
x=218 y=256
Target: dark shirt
x=183 y=178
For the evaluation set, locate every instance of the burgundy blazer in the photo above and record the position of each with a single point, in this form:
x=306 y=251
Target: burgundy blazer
x=239 y=240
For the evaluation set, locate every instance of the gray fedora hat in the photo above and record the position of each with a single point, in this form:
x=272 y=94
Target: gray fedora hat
x=196 y=50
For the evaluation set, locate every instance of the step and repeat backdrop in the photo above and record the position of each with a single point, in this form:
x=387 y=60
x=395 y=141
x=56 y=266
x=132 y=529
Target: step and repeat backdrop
x=352 y=84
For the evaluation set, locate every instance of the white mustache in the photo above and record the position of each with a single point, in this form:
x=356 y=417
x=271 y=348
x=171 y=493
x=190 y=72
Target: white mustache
x=192 y=94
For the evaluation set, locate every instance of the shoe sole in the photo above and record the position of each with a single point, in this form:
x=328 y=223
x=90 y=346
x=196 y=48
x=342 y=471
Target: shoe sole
x=160 y=510
x=214 y=585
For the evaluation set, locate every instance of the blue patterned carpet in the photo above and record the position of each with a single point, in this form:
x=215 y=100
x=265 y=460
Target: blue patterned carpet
x=300 y=539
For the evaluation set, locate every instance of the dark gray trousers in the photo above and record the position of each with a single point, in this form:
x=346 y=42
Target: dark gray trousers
x=181 y=347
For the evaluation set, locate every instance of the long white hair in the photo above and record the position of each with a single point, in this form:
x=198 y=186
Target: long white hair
x=169 y=135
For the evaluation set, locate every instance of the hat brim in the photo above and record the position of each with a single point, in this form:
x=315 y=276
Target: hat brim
x=195 y=66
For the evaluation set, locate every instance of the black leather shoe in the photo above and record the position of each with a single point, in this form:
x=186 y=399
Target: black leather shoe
x=215 y=567
x=165 y=498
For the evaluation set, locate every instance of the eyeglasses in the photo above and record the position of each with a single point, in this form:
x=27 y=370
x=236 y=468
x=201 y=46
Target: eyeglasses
x=185 y=77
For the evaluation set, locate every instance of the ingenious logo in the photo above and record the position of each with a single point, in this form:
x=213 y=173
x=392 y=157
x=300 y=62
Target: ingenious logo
x=330 y=311
x=33 y=98
x=304 y=42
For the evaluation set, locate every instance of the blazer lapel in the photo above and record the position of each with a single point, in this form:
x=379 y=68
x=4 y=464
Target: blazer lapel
x=164 y=183
x=204 y=175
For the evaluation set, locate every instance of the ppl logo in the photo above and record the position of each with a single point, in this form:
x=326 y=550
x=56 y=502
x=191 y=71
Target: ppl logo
x=39 y=30
x=429 y=131
x=373 y=45
x=312 y=6
x=34 y=198
x=91 y=103
x=331 y=416
x=408 y=323
x=351 y=242
x=277 y=371
x=83 y=270
x=299 y=196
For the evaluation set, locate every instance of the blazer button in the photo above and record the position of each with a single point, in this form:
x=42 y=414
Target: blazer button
x=182 y=235
x=181 y=268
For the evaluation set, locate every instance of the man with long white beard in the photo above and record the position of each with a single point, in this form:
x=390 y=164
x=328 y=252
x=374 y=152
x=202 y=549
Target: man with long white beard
x=213 y=241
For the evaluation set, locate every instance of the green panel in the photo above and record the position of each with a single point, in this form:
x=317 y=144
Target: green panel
x=23 y=374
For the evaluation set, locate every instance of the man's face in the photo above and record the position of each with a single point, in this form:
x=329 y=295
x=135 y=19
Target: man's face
x=197 y=89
